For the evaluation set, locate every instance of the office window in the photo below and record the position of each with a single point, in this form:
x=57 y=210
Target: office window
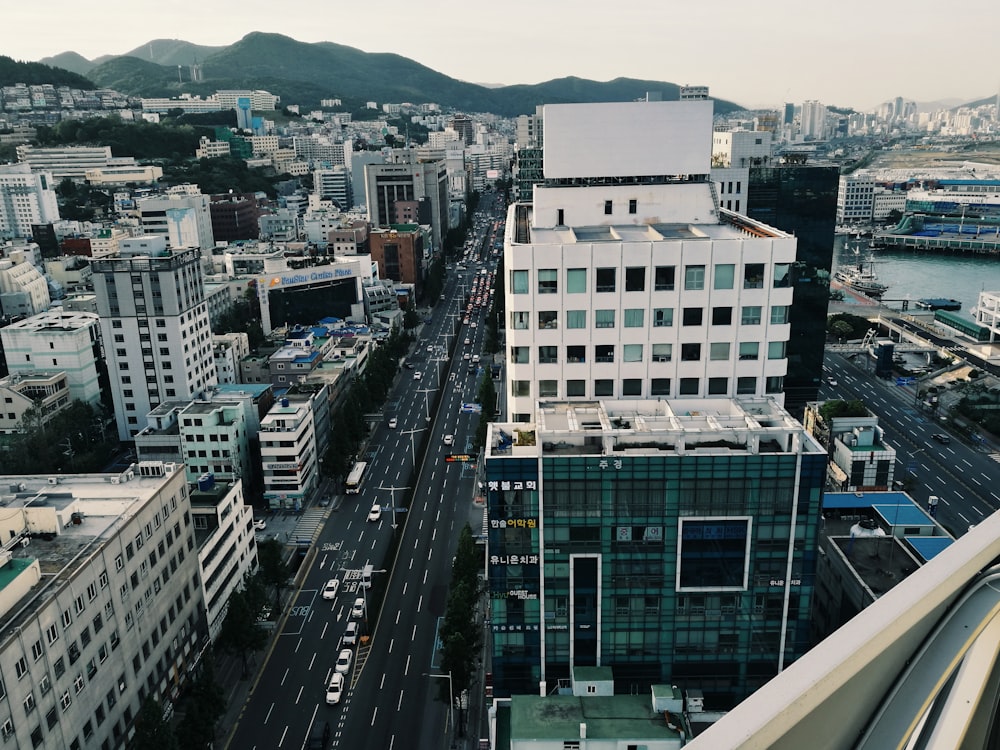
x=604 y=387
x=663 y=278
x=713 y=554
x=779 y=314
x=776 y=350
x=688 y=387
x=576 y=318
x=753 y=276
x=548 y=355
x=560 y=217
x=632 y=353
x=690 y=352
x=608 y=208
x=604 y=318
x=605 y=279
x=718 y=386
x=547 y=389
x=548 y=281
x=576 y=281
x=662 y=352
x=635 y=279
x=548 y=320
x=576 y=388
x=722 y=316
x=782 y=275
x=604 y=353
x=519 y=355
x=519 y=320
x=521 y=387
x=633 y=206
x=663 y=317
x=774 y=384
x=694 y=277
x=719 y=350
x=576 y=354
x=519 y=282
x=725 y=275
x=631 y=387
x=635 y=317
x=749 y=350
x=659 y=387
x=750 y=315
x=692 y=316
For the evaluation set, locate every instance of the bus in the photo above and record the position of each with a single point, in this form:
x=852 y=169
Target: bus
x=353 y=484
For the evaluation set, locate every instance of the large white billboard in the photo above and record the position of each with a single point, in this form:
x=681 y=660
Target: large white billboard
x=627 y=139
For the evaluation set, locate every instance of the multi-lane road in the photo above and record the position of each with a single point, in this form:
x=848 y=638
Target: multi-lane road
x=964 y=477
x=390 y=692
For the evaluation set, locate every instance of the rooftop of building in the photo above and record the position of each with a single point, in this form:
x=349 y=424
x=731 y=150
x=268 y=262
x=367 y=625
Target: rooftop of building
x=57 y=320
x=565 y=717
x=643 y=427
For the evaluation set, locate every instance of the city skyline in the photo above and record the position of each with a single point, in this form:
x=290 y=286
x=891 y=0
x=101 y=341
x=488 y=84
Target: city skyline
x=753 y=59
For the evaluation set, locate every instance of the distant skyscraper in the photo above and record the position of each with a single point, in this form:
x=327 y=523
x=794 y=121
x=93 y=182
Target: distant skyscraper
x=812 y=120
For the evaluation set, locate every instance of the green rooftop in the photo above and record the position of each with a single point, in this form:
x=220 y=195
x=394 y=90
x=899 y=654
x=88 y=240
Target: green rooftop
x=13 y=569
x=558 y=717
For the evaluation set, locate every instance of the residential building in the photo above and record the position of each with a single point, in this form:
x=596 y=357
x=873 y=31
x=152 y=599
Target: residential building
x=23 y=289
x=45 y=394
x=334 y=183
x=288 y=455
x=234 y=217
x=59 y=340
x=151 y=302
x=400 y=251
x=626 y=279
x=26 y=198
x=209 y=149
x=214 y=440
x=185 y=220
x=102 y=605
x=227 y=350
x=671 y=540
x=812 y=120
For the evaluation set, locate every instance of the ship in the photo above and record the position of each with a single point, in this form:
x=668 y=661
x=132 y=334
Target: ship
x=861 y=279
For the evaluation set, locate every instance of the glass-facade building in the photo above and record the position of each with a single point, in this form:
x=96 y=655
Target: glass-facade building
x=673 y=541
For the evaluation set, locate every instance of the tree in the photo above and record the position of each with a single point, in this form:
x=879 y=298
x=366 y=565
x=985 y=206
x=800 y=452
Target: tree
x=273 y=570
x=241 y=635
x=410 y=318
x=152 y=732
x=204 y=704
x=487 y=398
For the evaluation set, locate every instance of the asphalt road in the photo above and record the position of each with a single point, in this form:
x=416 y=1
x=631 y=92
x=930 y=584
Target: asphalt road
x=965 y=477
x=390 y=700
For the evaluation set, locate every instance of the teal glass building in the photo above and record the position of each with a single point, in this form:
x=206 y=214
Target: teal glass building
x=672 y=540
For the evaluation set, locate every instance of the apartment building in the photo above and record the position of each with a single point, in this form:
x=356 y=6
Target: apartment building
x=288 y=454
x=26 y=198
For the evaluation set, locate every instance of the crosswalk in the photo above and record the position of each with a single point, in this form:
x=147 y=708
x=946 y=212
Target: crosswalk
x=995 y=457
x=308 y=523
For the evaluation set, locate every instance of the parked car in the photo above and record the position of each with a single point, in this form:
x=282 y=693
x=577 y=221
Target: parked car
x=331 y=588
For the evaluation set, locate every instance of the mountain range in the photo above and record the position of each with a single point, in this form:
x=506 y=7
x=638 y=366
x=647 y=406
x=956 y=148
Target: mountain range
x=304 y=73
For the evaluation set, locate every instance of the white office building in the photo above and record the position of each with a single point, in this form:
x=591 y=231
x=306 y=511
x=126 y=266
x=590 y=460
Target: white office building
x=288 y=454
x=26 y=198
x=183 y=219
x=626 y=279
x=855 y=198
x=23 y=289
x=154 y=323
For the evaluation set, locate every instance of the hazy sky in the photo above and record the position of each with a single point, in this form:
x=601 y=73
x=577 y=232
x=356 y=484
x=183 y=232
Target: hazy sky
x=853 y=53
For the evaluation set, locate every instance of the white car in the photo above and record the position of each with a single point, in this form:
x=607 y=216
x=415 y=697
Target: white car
x=449 y=439
x=260 y=524
x=331 y=588
x=468 y=341
x=358 y=610
x=375 y=513
x=344 y=661
x=417 y=375
x=392 y=423
x=335 y=690
x=351 y=633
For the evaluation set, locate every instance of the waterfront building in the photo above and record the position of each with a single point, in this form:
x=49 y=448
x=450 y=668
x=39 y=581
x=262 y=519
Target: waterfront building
x=855 y=199
x=672 y=540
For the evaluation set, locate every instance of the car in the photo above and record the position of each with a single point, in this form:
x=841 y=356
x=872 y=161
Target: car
x=468 y=341
x=331 y=588
x=430 y=348
x=358 y=610
x=260 y=524
x=393 y=421
x=466 y=356
x=473 y=324
x=831 y=381
x=409 y=365
x=375 y=513
x=417 y=375
x=449 y=439
x=335 y=689
x=344 y=661
x=941 y=438
x=351 y=633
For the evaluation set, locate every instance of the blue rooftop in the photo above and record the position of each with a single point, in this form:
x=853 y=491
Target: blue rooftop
x=903 y=514
x=834 y=500
x=254 y=389
x=928 y=547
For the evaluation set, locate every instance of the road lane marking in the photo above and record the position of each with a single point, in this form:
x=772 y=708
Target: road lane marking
x=322 y=563
x=434 y=535
x=397 y=618
x=425 y=576
x=322 y=635
x=283 y=677
x=411 y=563
x=298 y=644
x=405 y=584
x=283 y=736
x=966 y=462
x=392 y=641
x=381 y=685
x=268 y=716
x=374 y=714
x=414 y=637
x=976 y=481
x=399 y=706
x=963 y=518
x=312 y=661
x=297 y=697
x=420 y=601
x=978 y=511
x=438 y=516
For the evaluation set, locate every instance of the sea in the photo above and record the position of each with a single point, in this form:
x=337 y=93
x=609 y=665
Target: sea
x=912 y=276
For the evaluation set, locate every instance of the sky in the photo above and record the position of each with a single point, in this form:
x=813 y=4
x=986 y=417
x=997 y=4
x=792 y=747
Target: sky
x=855 y=53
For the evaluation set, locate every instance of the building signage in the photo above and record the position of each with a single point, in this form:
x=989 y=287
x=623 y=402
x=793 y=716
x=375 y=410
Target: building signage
x=281 y=467
x=510 y=523
x=304 y=277
x=464 y=457
x=516 y=628
x=506 y=485
x=781 y=582
x=513 y=559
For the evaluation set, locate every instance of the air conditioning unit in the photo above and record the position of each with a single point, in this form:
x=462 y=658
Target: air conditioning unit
x=53 y=480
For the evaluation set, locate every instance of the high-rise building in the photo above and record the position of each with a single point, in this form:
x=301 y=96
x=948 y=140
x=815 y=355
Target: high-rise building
x=670 y=539
x=812 y=120
x=154 y=323
x=626 y=279
x=26 y=198
x=408 y=181
x=334 y=184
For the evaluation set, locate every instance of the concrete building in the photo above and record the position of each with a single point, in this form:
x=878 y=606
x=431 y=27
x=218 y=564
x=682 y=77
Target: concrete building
x=886 y=203
x=860 y=459
x=185 y=220
x=741 y=148
x=288 y=455
x=46 y=393
x=215 y=440
x=152 y=307
x=234 y=217
x=26 y=198
x=855 y=198
x=334 y=184
x=986 y=313
x=626 y=279
x=23 y=289
x=58 y=340
x=101 y=603
x=227 y=350
x=812 y=120
x=668 y=539
x=400 y=252
x=409 y=191
x=71 y=161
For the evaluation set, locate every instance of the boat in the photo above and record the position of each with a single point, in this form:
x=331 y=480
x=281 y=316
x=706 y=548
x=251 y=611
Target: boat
x=939 y=303
x=861 y=279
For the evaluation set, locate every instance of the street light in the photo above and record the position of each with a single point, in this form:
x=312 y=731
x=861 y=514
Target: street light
x=393 y=501
x=427 y=406
x=413 y=449
x=451 y=699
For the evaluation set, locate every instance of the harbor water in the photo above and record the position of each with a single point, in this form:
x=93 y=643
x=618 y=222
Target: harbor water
x=913 y=276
